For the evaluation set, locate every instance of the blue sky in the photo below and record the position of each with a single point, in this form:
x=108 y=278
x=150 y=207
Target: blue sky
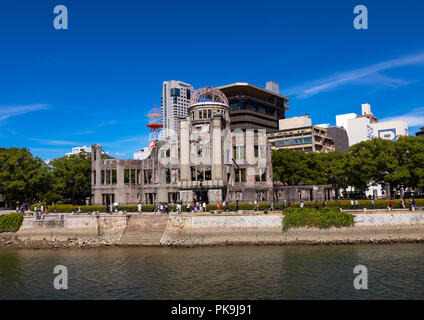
x=95 y=82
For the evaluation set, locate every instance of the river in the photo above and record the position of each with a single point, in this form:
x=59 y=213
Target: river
x=395 y=271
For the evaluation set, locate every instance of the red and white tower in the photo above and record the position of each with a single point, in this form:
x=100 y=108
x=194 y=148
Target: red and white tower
x=154 y=126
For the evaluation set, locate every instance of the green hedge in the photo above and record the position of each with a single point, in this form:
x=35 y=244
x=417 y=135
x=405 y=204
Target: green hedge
x=344 y=204
x=324 y=218
x=10 y=222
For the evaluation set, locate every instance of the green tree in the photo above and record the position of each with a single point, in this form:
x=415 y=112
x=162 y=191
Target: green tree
x=334 y=164
x=296 y=167
x=23 y=177
x=72 y=177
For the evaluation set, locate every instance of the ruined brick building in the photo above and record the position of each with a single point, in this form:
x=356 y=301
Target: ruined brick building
x=207 y=161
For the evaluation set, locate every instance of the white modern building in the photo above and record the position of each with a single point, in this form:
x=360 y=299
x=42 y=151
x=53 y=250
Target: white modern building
x=366 y=126
x=176 y=97
x=142 y=154
x=77 y=150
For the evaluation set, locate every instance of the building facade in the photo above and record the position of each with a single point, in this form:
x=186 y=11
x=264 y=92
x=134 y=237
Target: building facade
x=366 y=126
x=299 y=134
x=176 y=97
x=252 y=107
x=208 y=162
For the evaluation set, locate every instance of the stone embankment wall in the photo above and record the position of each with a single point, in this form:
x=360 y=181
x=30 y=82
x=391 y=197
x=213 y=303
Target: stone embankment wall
x=90 y=229
x=241 y=230
x=180 y=230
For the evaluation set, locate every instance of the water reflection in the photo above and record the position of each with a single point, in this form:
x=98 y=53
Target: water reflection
x=285 y=272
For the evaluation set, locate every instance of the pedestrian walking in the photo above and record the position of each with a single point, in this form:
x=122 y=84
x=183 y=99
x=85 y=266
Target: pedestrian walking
x=237 y=205
x=255 y=205
x=139 y=207
x=351 y=204
x=356 y=204
x=301 y=204
x=316 y=205
x=372 y=204
x=204 y=206
x=390 y=204
x=219 y=207
x=403 y=203
x=324 y=204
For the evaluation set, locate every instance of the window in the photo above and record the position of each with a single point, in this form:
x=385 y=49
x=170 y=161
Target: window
x=188 y=94
x=260 y=174
x=209 y=113
x=200 y=114
x=133 y=176
x=94 y=177
x=205 y=114
x=175 y=92
x=126 y=176
x=165 y=153
x=103 y=176
x=239 y=152
x=168 y=176
x=148 y=176
x=240 y=175
x=114 y=176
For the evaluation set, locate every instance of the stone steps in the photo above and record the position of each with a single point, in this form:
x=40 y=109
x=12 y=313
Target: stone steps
x=144 y=230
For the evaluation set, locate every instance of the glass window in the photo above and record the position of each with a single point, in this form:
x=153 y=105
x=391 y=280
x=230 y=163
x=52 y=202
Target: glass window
x=239 y=152
x=175 y=92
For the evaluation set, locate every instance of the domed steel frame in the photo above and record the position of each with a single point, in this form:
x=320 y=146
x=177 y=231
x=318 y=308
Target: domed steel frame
x=206 y=94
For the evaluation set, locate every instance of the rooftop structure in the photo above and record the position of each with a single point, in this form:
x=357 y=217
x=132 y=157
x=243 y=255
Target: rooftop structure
x=252 y=107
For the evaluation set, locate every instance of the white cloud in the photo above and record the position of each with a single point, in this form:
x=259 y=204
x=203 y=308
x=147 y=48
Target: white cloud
x=415 y=118
x=56 y=142
x=13 y=111
x=369 y=74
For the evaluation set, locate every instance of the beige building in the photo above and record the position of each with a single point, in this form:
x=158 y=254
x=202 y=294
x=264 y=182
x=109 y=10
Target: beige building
x=299 y=134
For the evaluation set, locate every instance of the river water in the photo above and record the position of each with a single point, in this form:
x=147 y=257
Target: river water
x=395 y=271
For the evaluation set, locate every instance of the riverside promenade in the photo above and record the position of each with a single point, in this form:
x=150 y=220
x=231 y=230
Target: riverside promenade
x=208 y=229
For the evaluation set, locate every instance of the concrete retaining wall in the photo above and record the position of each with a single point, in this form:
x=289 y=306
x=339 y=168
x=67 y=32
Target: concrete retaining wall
x=221 y=230
x=105 y=229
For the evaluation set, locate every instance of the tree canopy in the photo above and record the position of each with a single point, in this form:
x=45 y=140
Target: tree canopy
x=399 y=164
x=26 y=178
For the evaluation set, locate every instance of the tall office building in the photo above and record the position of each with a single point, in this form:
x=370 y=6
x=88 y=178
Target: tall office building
x=176 y=97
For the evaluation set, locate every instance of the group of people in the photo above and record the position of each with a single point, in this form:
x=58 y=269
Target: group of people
x=25 y=207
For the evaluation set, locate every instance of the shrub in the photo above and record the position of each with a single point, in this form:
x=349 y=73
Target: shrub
x=324 y=218
x=10 y=222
